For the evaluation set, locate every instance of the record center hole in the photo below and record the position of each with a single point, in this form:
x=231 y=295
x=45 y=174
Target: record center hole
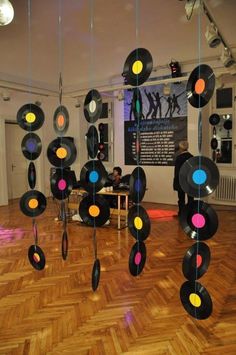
x=137 y=67
x=92 y=106
x=195 y=300
x=31 y=145
x=94 y=211
x=198 y=220
x=138 y=258
x=61 y=153
x=199 y=177
x=60 y=121
x=200 y=86
x=33 y=203
x=138 y=223
x=62 y=184
x=36 y=257
x=30 y=117
x=198 y=260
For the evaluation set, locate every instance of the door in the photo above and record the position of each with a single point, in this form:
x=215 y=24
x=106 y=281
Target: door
x=16 y=162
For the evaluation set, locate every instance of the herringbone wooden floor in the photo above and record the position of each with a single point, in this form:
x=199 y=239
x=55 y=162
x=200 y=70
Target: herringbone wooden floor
x=55 y=312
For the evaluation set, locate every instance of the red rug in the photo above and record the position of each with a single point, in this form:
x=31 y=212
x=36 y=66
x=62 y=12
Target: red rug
x=156 y=214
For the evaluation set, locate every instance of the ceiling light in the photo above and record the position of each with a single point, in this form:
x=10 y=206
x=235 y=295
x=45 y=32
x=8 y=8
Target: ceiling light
x=212 y=37
x=226 y=58
x=6 y=12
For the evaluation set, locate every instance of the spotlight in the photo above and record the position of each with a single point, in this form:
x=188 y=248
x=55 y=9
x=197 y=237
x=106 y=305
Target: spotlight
x=6 y=12
x=175 y=69
x=212 y=37
x=226 y=58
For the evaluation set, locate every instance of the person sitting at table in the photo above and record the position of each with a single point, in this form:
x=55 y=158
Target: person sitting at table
x=116 y=176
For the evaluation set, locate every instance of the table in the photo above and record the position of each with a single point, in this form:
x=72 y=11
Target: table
x=117 y=211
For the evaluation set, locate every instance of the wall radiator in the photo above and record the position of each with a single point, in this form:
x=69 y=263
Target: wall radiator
x=226 y=190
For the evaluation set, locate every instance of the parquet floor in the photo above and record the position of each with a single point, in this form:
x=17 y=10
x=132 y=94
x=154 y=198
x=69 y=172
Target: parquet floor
x=55 y=312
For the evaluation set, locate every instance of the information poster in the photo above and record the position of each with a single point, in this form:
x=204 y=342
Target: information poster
x=163 y=125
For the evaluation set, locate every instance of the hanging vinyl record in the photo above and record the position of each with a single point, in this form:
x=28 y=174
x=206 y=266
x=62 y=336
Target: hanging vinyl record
x=138 y=67
x=94 y=210
x=214 y=119
x=61 y=152
x=137 y=258
x=30 y=117
x=31 y=175
x=92 y=106
x=61 y=120
x=64 y=245
x=31 y=146
x=196 y=261
x=92 y=141
x=139 y=223
x=214 y=143
x=228 y=125
x=196 y=300
x=137 y=184
x=137 y=104
x=200 y=86
x=199 y=220
x=93 y=176
x=199 y=176
x=33 y=203
x=36 y=257
x=95 y=274
x=61 y=184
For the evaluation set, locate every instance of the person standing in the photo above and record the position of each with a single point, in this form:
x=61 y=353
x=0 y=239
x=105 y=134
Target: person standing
x=181 y=158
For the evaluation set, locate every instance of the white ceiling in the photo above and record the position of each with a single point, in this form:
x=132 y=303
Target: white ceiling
x=35 y=54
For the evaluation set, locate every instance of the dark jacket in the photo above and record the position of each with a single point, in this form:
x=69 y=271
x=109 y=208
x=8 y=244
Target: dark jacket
x=180 y=160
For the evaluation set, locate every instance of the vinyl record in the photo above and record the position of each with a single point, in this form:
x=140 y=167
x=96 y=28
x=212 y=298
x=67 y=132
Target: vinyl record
x=64 y=245
x=214 y=119
x=94 y=210
x=200 y=131
x=137 y=258
x=196 y=261
x=138 y=67
x=214 y=143
x=92 y=106
x=137 y=104
x=200 y=86
x=139 y=223
x=93 y=176
x=228 y=125
x=61 y=152
x=61 y=184
x=61 y=120
x=31 y=146
x=31 y=175
x=36 y=257
x=196 y=300
x=92 y=141
x=33 y=203
x=30 y=117
x=199 y=176
x=95 y=274
x=137 y=184
x=199 y=220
